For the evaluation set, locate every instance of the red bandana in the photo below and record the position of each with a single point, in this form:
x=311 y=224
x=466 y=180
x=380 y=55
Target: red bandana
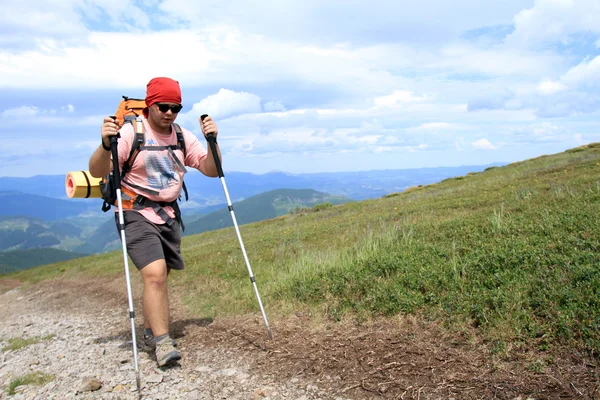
x=164 y=90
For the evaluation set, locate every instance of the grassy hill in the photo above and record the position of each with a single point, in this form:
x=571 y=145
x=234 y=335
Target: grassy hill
x=94 y=234
x=21 y=233
x=104 y=238
x=511 y=253
x=17 y=260
x=263 y=206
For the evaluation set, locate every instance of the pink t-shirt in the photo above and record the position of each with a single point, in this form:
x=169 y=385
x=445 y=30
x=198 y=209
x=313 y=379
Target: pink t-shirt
x=158 y=174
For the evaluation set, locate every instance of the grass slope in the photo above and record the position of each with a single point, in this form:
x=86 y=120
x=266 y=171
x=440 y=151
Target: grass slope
x=17 y=260
x=512 y=252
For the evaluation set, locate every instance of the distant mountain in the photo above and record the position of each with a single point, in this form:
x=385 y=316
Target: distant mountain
x=79 y=235
x=21 y=233
x=105 y=238
x=241 y=185
x=33 y=205
x=355 y=185
x=263 y=206
x=97 y=232
x=46 y=185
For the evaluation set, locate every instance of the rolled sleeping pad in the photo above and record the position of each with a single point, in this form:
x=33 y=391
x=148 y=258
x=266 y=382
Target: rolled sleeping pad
x=82 y=185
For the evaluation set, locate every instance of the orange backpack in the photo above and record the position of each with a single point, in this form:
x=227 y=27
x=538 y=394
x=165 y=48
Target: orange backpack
x=129 y=109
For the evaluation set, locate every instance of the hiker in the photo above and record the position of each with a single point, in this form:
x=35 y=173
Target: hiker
x=155 y=181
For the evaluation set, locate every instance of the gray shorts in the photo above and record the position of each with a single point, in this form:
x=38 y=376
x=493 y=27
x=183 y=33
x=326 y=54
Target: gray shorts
x=148 y=242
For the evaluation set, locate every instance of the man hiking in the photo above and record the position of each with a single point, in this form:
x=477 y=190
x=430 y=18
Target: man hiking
x=152 y=185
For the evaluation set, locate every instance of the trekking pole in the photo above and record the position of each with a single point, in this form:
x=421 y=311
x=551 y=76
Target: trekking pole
x=213 y=147
x=117 y=182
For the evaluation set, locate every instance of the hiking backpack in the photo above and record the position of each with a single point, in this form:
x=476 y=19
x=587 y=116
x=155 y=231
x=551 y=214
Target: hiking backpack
x=130 y=111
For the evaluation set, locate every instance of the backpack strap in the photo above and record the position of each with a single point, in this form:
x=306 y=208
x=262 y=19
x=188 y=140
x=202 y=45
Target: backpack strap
x=181 y=143
x=180 y=140
x=138 y=142
x=142 y=202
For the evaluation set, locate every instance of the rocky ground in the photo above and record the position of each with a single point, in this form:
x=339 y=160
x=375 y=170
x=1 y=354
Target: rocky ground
x=85 y=347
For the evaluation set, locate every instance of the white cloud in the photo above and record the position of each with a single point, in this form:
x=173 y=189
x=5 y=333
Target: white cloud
x=20 y=112
x=398 y=97
x=405 y=83
x=426 y=22
x=271 y=106
x=483 y=144
x=36 y=20
x=226 y=103
x=546 y=132
x=550 y=87
x=36 y=115
x=555 y=21
x=584 y=75
x=496 y=61
x=436 y=125
x=417 y=148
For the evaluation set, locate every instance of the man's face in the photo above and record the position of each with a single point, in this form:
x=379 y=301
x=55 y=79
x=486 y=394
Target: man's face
x=162 y=115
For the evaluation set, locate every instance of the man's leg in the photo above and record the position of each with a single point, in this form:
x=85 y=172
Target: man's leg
x=155 y=299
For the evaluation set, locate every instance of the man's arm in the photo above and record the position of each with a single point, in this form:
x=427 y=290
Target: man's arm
x=99 y=164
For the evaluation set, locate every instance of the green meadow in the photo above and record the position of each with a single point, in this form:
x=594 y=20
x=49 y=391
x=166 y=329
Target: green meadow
x=511 y=252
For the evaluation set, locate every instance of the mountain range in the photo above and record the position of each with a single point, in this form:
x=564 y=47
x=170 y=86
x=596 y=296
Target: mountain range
x=38 y=215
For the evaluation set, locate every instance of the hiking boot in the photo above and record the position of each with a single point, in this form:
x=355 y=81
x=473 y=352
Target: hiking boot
x=149 y=343
x=165 y=352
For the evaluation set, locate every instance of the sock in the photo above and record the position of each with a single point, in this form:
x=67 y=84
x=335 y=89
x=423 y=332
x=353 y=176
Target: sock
x=148 y=332
x=161 y=337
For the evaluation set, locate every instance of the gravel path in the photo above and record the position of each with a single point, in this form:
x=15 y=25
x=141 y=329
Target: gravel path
x=88 y=355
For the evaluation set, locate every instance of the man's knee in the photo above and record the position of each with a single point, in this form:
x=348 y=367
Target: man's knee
x=155 y=274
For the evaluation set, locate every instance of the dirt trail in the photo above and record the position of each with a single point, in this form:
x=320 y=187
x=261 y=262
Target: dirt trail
x=85 y=333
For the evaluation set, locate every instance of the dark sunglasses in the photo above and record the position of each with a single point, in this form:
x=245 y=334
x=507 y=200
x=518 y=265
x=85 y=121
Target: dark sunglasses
x=175 y=108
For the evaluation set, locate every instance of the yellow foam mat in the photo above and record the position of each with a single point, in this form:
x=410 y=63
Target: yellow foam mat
x=81 y=184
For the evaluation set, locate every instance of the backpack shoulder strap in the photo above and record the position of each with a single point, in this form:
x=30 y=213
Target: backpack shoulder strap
x=180 y=139
x=138 y=142
x=181 y=143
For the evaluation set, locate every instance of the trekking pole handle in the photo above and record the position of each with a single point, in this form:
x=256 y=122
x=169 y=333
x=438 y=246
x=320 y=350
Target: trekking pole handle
x=115 y=159
x=212 y=142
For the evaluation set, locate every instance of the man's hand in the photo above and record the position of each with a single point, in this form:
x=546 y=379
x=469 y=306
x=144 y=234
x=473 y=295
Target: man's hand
x=208 y=126
x=109 y=129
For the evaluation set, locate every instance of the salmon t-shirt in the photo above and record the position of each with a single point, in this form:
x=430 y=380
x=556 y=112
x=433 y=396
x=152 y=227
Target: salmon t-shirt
x=158 y=174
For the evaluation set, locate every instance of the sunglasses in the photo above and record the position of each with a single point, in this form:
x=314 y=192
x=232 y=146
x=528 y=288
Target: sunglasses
x=175 y=108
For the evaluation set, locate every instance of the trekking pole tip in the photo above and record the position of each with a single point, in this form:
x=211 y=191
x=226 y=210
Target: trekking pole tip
x=269 y=334
x=139 y=386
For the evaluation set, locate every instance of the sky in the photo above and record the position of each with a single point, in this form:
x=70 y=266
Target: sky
x=306 y=86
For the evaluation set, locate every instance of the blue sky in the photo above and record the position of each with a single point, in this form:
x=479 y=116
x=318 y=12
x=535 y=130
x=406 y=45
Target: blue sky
x=306 y=86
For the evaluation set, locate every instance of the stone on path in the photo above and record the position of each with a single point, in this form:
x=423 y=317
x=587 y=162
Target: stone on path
x=89 y=385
